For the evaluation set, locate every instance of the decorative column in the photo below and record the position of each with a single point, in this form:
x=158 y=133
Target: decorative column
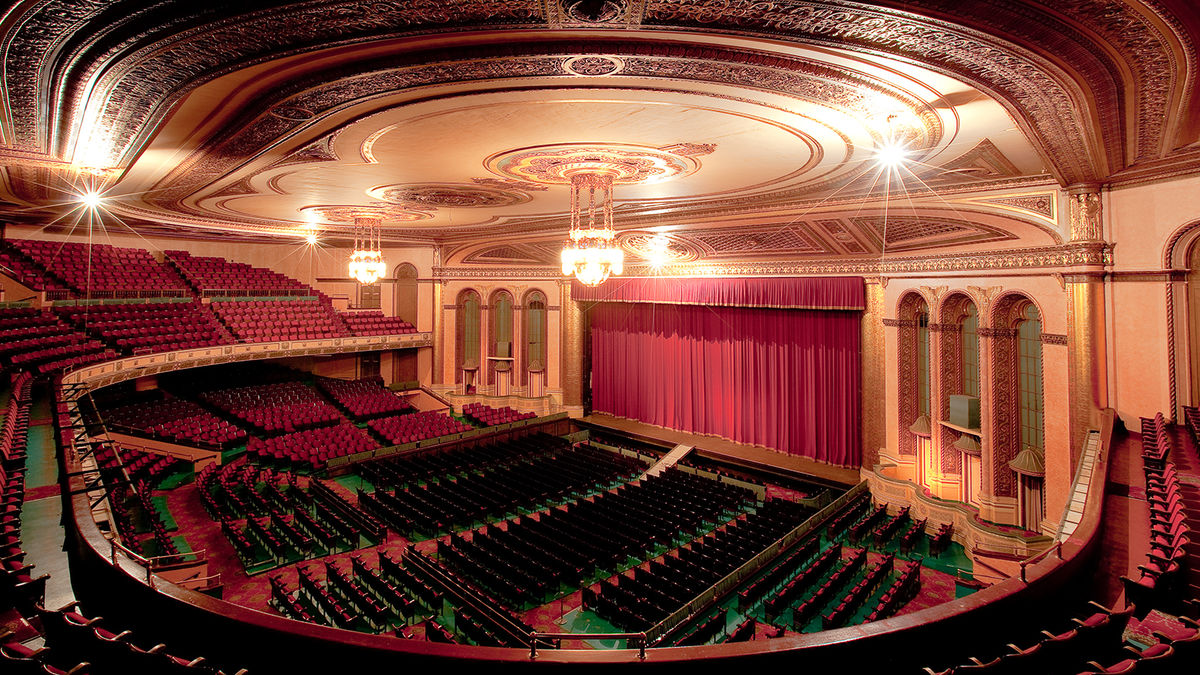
x=874 y=374
x=1086 y=333
x=439 y=348
x=946 y=354
x=572 y=352
x=1001 y=428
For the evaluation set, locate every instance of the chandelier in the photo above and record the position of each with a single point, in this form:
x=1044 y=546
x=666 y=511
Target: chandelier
x=591 y=253
x=366 y=261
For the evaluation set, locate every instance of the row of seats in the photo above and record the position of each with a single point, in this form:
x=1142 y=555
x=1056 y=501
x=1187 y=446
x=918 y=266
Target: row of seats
x=150 y=327
x=18 y=585
x=373 y=322
x=313 y=447
x=176 y=420
x=487 y=416
x=207 y=273
x=275 y=408
x=417 y=426
x=99 y=267
x=277 y=320
x=365 y=398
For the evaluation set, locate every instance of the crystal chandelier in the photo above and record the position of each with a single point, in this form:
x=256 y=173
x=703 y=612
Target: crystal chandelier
x=366 y=261
x=591 y=254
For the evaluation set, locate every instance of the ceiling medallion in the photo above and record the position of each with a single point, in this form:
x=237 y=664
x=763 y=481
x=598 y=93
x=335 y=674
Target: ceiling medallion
x=594 y=11
x=626 y=163
x=593 y=66
x=346 y=214
x=448 y=195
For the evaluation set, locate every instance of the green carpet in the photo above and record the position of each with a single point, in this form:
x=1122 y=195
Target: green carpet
x=586 y=621
x=164 y=514
x=41 y=468
x=181 y=476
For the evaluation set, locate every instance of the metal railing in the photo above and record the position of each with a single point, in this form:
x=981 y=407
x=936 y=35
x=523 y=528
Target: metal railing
x=638 y=638
x=1039 y=556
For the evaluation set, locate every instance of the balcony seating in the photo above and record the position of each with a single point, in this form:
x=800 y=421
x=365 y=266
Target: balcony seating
x=364 y=399
x=277 y=408
x=122 y=272
x=37 y=341
x=279 y=320
x=487 y=416
x=375 y=323
x=175 y=420
x=150 y=327
x=71 y=637
x=233 y=278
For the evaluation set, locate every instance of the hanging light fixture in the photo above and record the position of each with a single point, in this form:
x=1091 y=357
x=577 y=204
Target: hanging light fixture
x=591 y=253
x=366 y=261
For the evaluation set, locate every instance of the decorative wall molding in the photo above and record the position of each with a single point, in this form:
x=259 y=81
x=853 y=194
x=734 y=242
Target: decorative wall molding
x=996 y=332
x=1054 y=339
x=899 y=323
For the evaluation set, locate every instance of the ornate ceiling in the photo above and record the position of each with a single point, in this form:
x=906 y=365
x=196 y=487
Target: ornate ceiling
x=743 y=130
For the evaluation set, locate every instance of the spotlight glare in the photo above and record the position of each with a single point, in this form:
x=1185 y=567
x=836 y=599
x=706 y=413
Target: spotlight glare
x=311 y=238
x=91 y=200
x=891 y=155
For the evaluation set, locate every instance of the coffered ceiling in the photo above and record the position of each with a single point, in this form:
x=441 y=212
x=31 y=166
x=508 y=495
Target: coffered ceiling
x=744 y=130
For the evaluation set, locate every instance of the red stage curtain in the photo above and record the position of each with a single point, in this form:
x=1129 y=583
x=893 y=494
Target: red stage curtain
x=793 y=293
x=781 y=378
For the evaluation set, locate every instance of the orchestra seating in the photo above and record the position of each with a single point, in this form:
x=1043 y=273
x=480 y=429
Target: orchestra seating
x=276 y=320
x=102 y=268
x=538 y=470
x=176 y=420
x=418 y=426
x=149 y=327
x=210 y=276
x=364 y=399
x=373 y=322
x=487 y=416
x=275 y=408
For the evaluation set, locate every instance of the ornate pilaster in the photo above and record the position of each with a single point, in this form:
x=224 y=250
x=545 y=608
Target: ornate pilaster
x=439 y=348
x=1086 y=345
x=572 y=351
x=874 y=374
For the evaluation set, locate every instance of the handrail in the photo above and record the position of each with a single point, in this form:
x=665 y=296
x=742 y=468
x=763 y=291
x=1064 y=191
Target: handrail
x=534 y=636
x=752 y=566
x=1040 y=555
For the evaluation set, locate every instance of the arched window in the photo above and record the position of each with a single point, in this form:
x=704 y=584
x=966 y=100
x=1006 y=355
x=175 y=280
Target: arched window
x=913 y=361
x=500 y=334
x=970 y=351
x=405 y=287
x=1016 y=432
x=1029 y=373
x=534 y=356
x=467 y=336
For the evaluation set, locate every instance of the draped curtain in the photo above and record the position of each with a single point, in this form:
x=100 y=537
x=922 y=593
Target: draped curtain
x=795 y=293
x=786 y=379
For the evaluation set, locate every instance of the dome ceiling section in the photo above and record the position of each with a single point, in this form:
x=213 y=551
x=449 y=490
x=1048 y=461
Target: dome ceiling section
x=784 y=126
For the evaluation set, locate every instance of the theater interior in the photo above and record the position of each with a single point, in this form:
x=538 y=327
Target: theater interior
x=654 y=334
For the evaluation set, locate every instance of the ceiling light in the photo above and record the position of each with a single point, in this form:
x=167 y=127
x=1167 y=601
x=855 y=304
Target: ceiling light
x=658 y=249
x=591 y=253
x=891 y=155
x=91 y=199
x=311 y=238
x=366 y=260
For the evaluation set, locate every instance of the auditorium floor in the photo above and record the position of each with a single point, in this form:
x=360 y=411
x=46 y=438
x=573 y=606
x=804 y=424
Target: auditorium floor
x=729 y=449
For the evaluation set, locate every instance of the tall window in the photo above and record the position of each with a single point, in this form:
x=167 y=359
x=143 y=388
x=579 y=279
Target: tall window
x=534 y=359
x=467 y=332
x=923 y=362
x=500 y=344
x=970 y=352
x=1029 y=373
